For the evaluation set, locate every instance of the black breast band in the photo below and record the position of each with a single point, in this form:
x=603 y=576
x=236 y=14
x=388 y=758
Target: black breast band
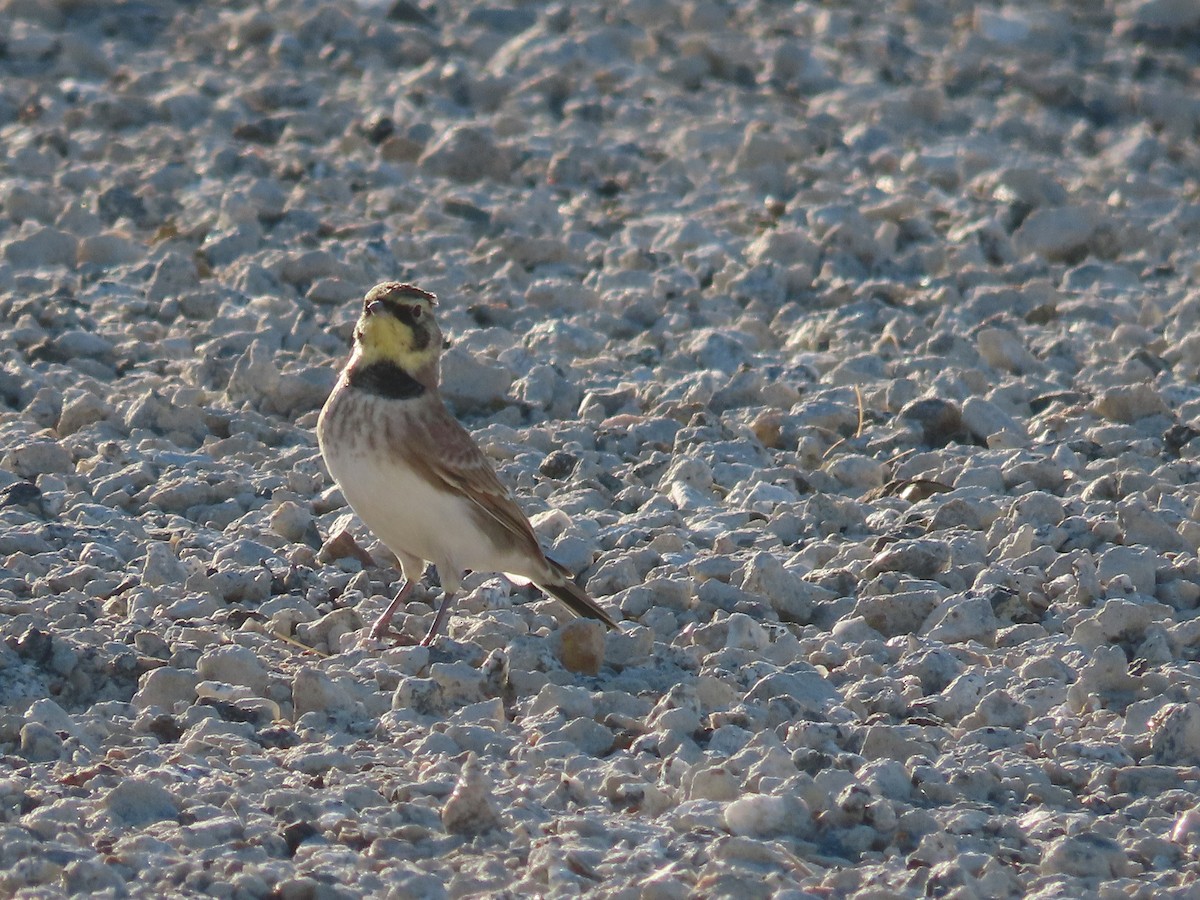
x=386 y=379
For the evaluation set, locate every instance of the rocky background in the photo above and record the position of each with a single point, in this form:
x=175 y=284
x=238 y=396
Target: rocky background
x=847 y=349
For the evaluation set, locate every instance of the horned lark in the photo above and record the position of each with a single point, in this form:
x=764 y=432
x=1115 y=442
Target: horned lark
x=414 y=475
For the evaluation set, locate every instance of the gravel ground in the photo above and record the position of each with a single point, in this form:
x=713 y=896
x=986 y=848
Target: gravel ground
x=848 y=351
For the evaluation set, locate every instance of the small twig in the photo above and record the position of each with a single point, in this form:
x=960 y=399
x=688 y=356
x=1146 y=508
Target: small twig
x=862 y=413
x=295 y=643
x=862 y=419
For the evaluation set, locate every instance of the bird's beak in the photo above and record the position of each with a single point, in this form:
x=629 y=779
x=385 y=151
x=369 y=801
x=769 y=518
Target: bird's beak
x=374 y=308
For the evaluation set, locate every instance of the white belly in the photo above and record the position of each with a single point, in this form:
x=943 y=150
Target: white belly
x=417 y=519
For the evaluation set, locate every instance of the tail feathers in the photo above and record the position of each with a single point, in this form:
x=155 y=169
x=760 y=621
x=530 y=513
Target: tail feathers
x=575 y=597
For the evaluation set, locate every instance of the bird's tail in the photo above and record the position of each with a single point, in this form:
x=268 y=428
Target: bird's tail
x=564 y=589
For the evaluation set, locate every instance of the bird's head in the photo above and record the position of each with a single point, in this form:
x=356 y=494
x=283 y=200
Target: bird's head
x=397 y=326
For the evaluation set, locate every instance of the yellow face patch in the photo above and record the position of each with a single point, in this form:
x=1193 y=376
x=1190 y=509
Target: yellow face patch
x=397 y=327
x=381 y=337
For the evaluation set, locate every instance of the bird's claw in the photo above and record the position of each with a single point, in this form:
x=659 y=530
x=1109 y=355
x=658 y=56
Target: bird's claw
x=385 y=636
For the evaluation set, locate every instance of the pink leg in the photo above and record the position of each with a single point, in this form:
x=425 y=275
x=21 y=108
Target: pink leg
x=384 y=622
x=439 y=621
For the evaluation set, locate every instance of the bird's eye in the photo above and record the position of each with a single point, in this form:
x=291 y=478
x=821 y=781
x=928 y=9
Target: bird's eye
x=416 y=312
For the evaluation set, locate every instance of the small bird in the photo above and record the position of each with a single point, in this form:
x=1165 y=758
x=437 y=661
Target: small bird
x=414 y=475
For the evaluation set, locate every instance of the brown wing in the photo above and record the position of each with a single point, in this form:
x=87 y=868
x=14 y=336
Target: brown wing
x=446 y=453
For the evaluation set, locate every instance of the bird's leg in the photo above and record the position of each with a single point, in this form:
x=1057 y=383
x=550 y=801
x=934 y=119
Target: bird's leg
x=384 y=622
x=439 y=621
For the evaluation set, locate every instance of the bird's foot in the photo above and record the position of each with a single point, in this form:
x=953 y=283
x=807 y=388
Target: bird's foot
x=382 y=635
x=377 y=639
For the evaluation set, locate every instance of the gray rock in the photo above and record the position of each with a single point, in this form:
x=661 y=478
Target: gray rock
x=175 y=418
x=1086 y=855
x=166 y=686
x=802 y=688
x=766 y=816
x=789 y=595
x=922 y=558
x=234 y=583
x=589 y=736
x=310 y=266
x=329 y=630
x=42 y=247
x=998 y=709
x=233 y=664
x=110 y=249
x=333 y=291
x=1144 y=526
x=857 y=472
x=20 y=204
x=136 y=802
x=990 y=424
x=471 y=808
x=718 y=350
x=466 y=154
x=291 y=520
x=1138 y=565
x=959 y=698
x=1175 y=735
x=1115 y=621
x=39 y=744
x=962 y=618
x=898 y=612
x=1057 y=233
x=1004 y=349
x=174 y=275
x=939 y=420
x=1106 y=674
x=162 y=566
x=1130 y=403
x=38 y=458
x=629 y=648
x=81 y=408
x=77 y=343
x=314 y=691
x=1030 y=186
x=202 y=304
x=1164 y=15
x=224 y=247
x=471 y=384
